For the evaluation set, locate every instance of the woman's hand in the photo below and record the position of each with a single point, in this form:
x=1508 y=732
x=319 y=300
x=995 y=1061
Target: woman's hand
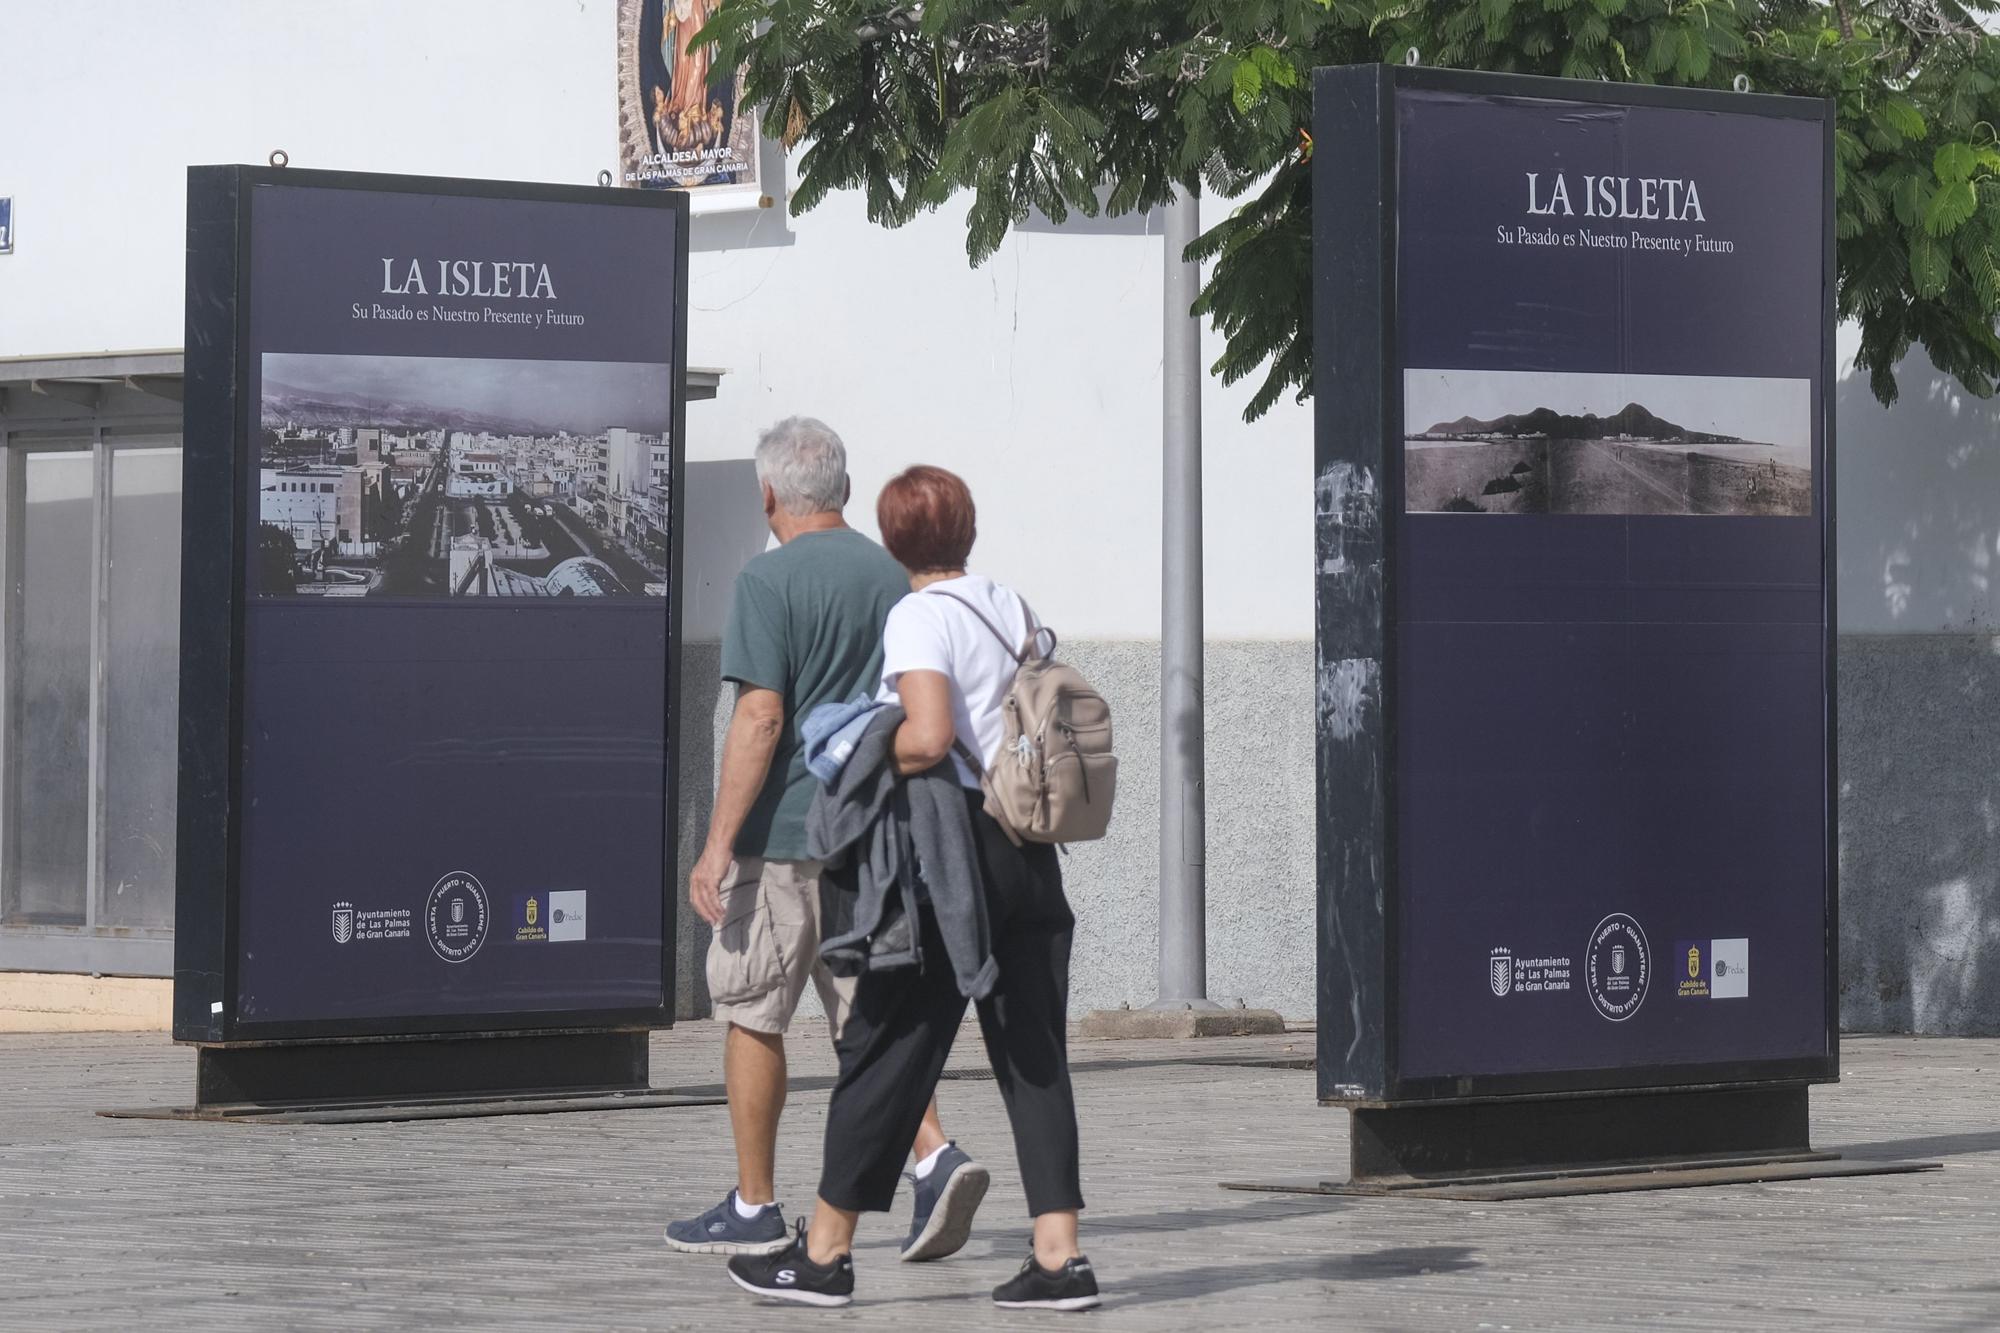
x=925 y=737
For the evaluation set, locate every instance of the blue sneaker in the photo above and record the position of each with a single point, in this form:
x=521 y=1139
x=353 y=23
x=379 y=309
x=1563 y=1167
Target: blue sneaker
x=941 y=1222
x=722 y=1230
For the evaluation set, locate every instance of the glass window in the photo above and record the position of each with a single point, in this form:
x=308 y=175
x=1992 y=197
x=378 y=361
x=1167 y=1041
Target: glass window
x=50 y=757
x=142 y=687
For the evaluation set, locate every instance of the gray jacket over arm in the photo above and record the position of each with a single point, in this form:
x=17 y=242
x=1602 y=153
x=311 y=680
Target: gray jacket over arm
x=883 y=839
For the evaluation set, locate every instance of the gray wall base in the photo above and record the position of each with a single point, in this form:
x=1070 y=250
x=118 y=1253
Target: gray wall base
x=1260 y=827
x=1920 y=833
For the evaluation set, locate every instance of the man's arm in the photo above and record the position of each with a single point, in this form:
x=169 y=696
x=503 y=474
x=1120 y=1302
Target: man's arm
x=754 y=728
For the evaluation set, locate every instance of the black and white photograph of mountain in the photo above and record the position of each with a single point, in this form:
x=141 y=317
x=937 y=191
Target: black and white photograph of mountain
x=1520 y=442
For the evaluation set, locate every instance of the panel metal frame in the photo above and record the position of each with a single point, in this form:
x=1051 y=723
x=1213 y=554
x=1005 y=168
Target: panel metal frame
x=1357 y=374
x=217 y=465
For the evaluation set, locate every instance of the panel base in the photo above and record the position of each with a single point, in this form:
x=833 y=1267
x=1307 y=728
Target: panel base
x=1543 y=1147
x=421 y=1078
x=1556 y=1185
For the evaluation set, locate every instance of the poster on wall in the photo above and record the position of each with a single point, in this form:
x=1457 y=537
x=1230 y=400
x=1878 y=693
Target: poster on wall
x=449 y=724
x=682 y=124
x=1601 y=441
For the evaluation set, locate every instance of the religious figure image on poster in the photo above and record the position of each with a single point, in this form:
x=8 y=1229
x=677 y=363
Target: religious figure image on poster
x=680 y=119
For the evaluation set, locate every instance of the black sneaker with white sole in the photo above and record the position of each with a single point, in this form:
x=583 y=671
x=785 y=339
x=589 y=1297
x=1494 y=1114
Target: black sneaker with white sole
x=1071 y=1287
x=791 y=1275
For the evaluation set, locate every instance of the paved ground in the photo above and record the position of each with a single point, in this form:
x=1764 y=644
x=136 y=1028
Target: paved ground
x=553 y=1221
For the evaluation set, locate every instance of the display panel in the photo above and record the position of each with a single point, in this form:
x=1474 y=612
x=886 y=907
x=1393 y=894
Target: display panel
x=1600 y=689
x=457 y=449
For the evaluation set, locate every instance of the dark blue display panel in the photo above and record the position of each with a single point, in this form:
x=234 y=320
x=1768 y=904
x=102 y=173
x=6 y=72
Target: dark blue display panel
x=1607 y=509
x=458 y=461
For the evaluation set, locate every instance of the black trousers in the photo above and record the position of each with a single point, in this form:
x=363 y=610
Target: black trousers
x=901 y=1028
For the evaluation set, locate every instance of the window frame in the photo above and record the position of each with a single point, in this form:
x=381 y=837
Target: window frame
x=92 y=946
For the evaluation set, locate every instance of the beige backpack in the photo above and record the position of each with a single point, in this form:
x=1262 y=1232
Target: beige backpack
x=1055 y=777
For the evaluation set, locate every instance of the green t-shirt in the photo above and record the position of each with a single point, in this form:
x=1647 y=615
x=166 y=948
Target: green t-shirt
x=807 y=622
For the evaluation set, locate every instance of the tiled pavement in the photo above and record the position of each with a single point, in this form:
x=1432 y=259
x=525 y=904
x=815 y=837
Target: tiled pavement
x=553 y=1221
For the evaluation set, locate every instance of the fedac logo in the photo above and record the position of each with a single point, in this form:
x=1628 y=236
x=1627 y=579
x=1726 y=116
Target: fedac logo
x=1716 y=969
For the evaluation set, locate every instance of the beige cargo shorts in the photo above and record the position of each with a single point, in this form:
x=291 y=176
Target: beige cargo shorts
x=768 y=946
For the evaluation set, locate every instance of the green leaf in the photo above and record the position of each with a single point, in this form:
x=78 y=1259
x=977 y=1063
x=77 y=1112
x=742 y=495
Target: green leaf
x=1950 y=207
x=1907 y=120
x=1930 y=266
x=1275 y=68
x=1912 y=199
x=1986 y=283
x=1955 y=162
x=1249 y=83
x=1695 y=58
x=1664 y=51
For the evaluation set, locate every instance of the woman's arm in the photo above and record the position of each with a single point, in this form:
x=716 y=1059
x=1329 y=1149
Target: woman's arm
x=925 y=737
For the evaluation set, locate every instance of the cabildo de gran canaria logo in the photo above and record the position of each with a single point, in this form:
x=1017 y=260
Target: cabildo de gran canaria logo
x=529 y=919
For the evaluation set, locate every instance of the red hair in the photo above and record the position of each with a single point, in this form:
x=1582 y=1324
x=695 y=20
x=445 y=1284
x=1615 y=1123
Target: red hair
x=927 y=519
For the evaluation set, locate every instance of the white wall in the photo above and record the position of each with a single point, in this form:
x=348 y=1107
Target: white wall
x=1036 y=376
x=1918 y=504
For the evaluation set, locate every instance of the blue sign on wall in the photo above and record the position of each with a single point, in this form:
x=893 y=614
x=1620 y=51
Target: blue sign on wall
x=6 y=226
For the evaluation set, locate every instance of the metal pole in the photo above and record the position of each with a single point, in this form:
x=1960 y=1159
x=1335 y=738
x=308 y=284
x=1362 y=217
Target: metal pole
x=1183 y=834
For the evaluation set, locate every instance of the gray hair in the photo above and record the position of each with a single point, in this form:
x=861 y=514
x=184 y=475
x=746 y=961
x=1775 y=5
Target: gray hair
x=805 y=465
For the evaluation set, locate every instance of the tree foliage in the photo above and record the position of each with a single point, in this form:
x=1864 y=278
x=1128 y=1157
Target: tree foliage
x=1106 y=105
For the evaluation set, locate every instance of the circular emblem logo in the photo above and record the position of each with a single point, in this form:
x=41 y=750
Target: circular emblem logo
x=1617 y=967
x=455 y=917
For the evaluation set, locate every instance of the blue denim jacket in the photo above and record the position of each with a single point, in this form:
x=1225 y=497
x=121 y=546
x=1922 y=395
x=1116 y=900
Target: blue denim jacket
x=830 y=731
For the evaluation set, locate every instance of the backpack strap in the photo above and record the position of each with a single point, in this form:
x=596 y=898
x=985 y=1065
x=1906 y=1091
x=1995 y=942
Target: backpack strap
x=1035 y=628
x=991 y=628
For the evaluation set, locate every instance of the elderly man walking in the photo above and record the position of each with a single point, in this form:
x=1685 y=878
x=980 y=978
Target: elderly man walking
x=805 y=628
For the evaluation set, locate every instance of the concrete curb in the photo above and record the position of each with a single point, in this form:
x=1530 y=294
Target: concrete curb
x=1180 y=1024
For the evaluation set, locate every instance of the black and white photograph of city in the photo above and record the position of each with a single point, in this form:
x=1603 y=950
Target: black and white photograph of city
x=441 y=477
x=1533 y=442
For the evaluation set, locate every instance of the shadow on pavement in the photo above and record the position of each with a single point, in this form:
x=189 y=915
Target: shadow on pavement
x=1931 y=1145
x=1217 y=1279
x=1012 y=1238
x=1194 y=1219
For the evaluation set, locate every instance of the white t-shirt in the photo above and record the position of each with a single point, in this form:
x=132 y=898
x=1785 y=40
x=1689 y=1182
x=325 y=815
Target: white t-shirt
x=928 y=631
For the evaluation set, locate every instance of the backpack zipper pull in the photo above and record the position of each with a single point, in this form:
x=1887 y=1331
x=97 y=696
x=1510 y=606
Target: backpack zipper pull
x=1082 y=769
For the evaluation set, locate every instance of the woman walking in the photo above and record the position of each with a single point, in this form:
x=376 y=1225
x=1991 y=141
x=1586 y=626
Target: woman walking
x=999 y=932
